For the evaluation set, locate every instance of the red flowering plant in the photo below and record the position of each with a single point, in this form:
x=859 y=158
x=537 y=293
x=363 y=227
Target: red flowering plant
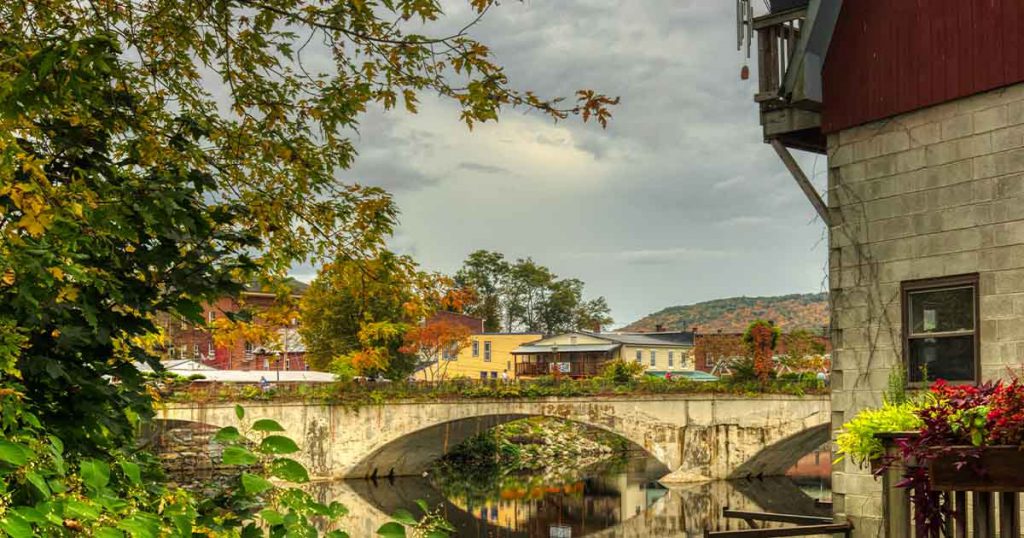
x=1006 y=414
x=955 y=416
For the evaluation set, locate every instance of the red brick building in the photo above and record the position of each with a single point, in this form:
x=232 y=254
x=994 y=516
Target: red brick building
x=709 y=347
x=187 y=340
x=475 y=325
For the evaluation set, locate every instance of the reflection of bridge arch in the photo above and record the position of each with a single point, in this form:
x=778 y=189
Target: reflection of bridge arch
x=686 y=510
x=698 y=437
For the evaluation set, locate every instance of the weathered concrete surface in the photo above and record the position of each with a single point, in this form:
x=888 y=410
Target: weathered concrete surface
x=698 y=437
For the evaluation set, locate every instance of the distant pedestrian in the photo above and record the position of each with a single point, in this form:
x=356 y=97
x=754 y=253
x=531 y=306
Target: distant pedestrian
x=504 y=376
x=823 y=378
x=264 y=384
x=668 y=376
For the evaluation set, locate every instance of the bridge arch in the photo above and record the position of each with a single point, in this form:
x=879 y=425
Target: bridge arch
x=414 y=452
x=777 y=458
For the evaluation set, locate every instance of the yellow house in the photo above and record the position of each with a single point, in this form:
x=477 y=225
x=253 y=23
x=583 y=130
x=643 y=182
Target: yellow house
x=583 y=354
x=486 y=356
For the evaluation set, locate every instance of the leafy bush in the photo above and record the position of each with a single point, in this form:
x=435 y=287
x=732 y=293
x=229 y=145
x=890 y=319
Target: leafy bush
x=620 y=372
x=48 y=493
x=857 y=438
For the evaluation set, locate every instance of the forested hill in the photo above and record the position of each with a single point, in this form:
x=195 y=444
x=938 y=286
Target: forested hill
x=791 y=312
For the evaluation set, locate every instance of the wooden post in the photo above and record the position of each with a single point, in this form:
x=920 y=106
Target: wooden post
x=984 y=515
x=1009 y=514
x=801 y=179
x=895 y=501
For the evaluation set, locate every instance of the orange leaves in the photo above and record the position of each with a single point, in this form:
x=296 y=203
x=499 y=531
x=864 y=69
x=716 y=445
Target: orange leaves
x=433 y=339
x=595 y=105
x=366 y=360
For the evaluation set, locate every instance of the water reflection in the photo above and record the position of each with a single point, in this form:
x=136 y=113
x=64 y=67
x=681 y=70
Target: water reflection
x=626 y=501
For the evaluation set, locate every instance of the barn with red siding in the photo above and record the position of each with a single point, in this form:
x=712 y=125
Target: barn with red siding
x=888 y=57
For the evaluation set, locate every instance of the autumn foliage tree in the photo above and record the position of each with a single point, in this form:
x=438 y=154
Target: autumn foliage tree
x=356 y=312
x=158 y=154
x=761 y=338
x=437 y=343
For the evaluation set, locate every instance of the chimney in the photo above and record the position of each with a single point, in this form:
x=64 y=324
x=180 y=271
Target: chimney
x=693 y=329
x=659 y=328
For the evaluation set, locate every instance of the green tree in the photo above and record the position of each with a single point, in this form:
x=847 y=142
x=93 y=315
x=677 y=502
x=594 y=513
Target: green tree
x=127 y=189
x=347 y=298
x=525 y=295
x=485 y=273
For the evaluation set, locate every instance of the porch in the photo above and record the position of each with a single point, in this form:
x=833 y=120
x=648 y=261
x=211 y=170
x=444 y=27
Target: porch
x=573 y=361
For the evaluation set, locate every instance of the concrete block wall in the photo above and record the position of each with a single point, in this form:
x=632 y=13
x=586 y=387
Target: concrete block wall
x=931 y=193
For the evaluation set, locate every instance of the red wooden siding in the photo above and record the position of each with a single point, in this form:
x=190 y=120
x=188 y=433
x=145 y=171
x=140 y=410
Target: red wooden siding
x=893 y=56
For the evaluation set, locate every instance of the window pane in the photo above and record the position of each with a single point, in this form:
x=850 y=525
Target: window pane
x=942 y=310
x=950 y=358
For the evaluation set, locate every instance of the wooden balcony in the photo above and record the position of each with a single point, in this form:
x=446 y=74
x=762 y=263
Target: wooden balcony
x=786 y=113
x=983 y=496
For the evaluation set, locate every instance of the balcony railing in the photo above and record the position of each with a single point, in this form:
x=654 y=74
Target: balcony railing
x=777 y=38
x=588 y=366
x=786 y=112
x=983 y=508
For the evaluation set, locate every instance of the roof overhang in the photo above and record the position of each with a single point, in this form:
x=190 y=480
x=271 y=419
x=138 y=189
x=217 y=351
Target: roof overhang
x=576 y=348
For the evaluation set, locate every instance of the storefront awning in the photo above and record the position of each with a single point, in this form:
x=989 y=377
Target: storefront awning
x=578 y=348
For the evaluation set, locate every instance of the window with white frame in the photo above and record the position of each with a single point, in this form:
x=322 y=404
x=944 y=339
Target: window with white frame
x=476 y=348
x=940 y=329
x=211 y=316
x=639 y=355
x=671 y=359
x=654 y=358
x=487 y=351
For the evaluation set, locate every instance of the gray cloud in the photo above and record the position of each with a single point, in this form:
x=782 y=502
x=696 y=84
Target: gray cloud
x=484 y=168
x=677 y=201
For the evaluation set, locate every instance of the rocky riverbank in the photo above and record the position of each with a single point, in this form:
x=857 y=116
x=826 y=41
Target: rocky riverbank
x=548 y=451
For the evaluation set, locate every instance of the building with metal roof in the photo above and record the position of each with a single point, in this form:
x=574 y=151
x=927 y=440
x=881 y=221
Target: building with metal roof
x=585 y=354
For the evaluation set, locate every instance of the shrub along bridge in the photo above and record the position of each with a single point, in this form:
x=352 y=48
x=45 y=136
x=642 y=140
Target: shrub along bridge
x=696 y=436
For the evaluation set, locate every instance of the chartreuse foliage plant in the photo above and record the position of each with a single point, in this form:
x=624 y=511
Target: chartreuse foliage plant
x=858 y=440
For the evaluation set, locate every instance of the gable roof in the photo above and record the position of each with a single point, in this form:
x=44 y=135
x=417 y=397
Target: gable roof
x=648 y=339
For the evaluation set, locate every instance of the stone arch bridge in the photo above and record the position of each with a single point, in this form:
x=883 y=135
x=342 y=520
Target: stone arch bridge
x=697 y=437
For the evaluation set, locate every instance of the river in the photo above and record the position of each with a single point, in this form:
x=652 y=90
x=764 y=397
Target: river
x=622 y=500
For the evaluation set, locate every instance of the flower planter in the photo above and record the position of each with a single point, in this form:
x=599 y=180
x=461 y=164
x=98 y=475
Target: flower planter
x=967 y=468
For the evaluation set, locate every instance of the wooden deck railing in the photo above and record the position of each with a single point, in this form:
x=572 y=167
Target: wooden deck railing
x=777 y=38
x=979 y=509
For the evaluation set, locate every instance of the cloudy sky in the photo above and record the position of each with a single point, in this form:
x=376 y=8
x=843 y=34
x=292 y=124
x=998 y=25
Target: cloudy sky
x=678 y=201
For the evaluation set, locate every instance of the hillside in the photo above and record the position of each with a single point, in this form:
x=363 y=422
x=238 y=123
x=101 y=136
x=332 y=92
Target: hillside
x=798 y=311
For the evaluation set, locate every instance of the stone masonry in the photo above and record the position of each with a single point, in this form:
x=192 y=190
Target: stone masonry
x=931 y=193
x=697 y=437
